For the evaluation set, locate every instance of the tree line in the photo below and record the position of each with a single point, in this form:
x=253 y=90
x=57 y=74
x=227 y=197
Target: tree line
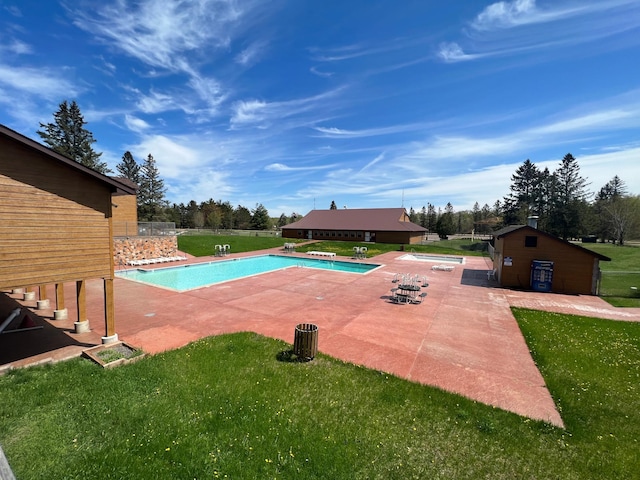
x=559 y=200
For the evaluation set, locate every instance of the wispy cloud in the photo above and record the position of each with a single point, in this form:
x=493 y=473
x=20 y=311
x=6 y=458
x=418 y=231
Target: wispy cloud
x=509 y=28
x=451 y=52
x=160 y=32
x=252 y=54
x=333 y=132
x=281 y=167
x=259 y=113
x=50 y=84
x=136 y=124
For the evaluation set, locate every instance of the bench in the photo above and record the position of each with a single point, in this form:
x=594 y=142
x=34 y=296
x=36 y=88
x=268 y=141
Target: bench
x=321 y=254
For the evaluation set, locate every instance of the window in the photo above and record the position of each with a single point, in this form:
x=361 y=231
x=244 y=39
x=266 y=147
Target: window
x=531 y=241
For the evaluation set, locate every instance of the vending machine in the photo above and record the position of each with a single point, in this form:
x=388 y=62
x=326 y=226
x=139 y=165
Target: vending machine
x=541 y=275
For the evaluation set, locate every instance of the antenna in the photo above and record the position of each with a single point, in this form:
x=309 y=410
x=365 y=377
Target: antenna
x=403 y=198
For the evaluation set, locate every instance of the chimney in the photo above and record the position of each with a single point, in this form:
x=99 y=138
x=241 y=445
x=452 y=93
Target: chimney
x=532 y=221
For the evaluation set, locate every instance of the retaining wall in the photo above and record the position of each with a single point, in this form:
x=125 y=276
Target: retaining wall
x=126 y=249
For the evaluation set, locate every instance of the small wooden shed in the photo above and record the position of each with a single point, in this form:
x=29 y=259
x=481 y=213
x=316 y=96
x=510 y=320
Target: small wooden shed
x=381 y=225
x=525 y=257
x=55 y=225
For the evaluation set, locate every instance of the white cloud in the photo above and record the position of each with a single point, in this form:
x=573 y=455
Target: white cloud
x=333 y=132
x=506 y=14
x=451 y=52
x=251 y=55
x=51 y=84
x=160 y=32
x=135 y=124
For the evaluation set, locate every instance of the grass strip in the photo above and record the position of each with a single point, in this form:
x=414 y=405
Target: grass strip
x=230 y=407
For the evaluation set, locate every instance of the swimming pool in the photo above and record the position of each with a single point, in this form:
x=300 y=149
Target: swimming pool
x=425 y=257
x=189 y=277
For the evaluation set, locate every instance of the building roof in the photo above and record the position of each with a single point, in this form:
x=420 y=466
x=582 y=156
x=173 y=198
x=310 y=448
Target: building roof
x=116 y=184
x=506 y=231
x=364 y=219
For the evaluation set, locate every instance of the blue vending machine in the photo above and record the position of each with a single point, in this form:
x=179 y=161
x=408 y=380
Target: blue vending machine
x=541 y=275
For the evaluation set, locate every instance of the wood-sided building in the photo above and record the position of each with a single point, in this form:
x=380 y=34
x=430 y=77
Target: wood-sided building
x=528 y=258
x=380 y=225
x=56 y=225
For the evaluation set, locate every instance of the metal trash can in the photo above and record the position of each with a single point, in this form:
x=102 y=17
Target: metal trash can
x=305 y=341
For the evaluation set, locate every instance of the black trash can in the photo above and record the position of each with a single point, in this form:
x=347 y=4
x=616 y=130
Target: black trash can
x=305 y=341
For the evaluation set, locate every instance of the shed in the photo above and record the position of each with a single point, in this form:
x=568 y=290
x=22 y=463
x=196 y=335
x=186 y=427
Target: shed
x=381 y=225
x=56 y=225
x=562 y=266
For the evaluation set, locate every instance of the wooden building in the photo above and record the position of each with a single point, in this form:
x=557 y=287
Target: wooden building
x=525 y=257
x=55 y=225
x=381 y=225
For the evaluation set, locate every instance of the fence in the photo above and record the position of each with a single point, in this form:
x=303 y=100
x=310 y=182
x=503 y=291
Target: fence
x=620 y=284
x=143 y=229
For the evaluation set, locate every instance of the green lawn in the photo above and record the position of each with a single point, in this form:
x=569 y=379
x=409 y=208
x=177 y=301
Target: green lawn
x=203 y=245
x=233 y=407
x=620 y=274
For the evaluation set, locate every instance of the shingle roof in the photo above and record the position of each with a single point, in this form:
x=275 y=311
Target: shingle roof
x=512 y=228
x=116 y=184
x=365 y=219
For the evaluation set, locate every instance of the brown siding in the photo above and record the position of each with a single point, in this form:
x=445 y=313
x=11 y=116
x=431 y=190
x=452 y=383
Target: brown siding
x=572 y=271
x=54 y=224
x=126 y=210
x=125 y=215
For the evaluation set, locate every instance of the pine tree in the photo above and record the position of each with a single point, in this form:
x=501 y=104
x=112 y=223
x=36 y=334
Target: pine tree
x=151 y=192
x=569 y=199
x=520 y=203
x=128 y=168
x=68 y=137
x=260 y=218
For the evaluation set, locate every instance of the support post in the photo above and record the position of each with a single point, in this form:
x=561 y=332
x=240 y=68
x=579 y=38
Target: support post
x=82 y=324
x=109 y=313
x=60 y=313
x=43 y=302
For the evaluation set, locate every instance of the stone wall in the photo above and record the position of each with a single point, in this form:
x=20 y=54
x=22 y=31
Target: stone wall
x=126 y=249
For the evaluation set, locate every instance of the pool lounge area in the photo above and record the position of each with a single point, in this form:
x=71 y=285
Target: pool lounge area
x=455 y=339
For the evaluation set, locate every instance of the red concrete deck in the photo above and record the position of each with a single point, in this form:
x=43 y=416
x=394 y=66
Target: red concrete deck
x=462 y=338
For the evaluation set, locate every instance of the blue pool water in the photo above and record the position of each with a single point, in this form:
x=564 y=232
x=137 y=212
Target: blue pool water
x=188 y=277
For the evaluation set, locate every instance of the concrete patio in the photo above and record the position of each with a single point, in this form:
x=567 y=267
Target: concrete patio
x=462 y=338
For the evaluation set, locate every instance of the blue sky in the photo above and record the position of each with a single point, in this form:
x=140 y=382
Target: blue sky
x=294 y=103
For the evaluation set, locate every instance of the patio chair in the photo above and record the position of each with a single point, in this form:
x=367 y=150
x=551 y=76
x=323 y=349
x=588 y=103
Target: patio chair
x=418 y=300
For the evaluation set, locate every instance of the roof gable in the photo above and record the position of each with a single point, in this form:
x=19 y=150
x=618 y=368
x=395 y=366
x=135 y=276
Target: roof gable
x=505 y=232
x=114 y=184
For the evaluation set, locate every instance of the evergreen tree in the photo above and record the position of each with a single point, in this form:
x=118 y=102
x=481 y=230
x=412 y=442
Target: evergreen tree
x=260 y=219
x=68 y=137
x=241 y=218
x=283 y=220
x=423 y=217
x=333 y=205
x=432 y=217
x=520 y=203
x=151 y=192
x=569 y=200
x=445 y=225
x=128 y=168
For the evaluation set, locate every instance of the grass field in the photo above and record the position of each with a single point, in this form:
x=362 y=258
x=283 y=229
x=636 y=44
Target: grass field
x=620 y=274
x=233 y=407
x=203 y=245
